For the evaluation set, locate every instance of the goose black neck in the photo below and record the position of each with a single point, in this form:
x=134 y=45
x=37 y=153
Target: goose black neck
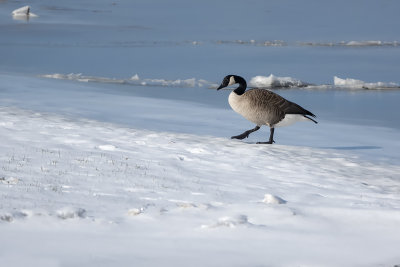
x=242 y=85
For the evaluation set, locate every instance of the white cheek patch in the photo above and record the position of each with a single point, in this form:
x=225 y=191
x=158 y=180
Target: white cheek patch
x=231 y=81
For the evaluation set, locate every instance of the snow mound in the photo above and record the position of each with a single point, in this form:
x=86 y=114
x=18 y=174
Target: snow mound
x=6 y=217
x=271 y=199
x=135 y=211
x=71 y=213
x=11 y=216
x=358 y=84
x=107 y=147
x=230 y=222
x=9 y=181
x=273 y=81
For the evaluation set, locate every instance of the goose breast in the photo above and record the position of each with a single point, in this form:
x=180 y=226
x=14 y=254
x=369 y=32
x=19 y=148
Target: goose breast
x=258 y=106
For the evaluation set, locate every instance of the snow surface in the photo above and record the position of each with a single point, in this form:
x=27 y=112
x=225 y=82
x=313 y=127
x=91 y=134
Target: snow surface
x=94 y=192
x=114 y=195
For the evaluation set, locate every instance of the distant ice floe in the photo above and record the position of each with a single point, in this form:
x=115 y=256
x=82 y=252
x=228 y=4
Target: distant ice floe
x=254 y=42
x=352 y=43
x=358 y=84
x=23 y=13
x=268 y=43
x=273 y=81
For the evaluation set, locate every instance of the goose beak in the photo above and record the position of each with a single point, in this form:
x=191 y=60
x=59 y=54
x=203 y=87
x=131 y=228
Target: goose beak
x=220 y=87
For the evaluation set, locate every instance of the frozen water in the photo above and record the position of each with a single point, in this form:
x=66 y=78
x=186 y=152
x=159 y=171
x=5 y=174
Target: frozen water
x=203 y=40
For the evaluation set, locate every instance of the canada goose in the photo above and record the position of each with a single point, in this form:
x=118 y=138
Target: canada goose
x=263 y=107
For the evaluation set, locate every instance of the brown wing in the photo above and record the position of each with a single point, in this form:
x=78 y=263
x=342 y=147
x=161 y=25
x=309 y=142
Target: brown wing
x=275 y=105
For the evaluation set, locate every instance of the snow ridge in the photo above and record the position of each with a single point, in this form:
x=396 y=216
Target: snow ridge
x=134 y=80
x=269 y=82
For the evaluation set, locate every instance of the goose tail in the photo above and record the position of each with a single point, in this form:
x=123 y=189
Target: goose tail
x=306 y=116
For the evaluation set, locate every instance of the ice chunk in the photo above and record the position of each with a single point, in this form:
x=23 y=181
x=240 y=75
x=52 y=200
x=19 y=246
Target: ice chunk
x=25 y=10
x=23 y=13
x=135 y=78
x=364 y=43
x=358 y=84
x=273 y=81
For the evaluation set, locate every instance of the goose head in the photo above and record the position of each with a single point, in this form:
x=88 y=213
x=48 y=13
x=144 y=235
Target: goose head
x=229 y=80
x=232 y=79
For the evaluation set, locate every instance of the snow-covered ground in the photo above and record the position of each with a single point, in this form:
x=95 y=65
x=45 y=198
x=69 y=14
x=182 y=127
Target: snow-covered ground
x=85 y=191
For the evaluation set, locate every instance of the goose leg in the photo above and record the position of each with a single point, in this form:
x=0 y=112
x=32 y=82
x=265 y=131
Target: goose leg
x=271 y=137
x=246 y=133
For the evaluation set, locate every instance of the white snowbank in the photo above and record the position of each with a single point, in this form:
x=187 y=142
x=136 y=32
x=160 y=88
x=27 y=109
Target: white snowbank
x=358 y=84
x=273 y=81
